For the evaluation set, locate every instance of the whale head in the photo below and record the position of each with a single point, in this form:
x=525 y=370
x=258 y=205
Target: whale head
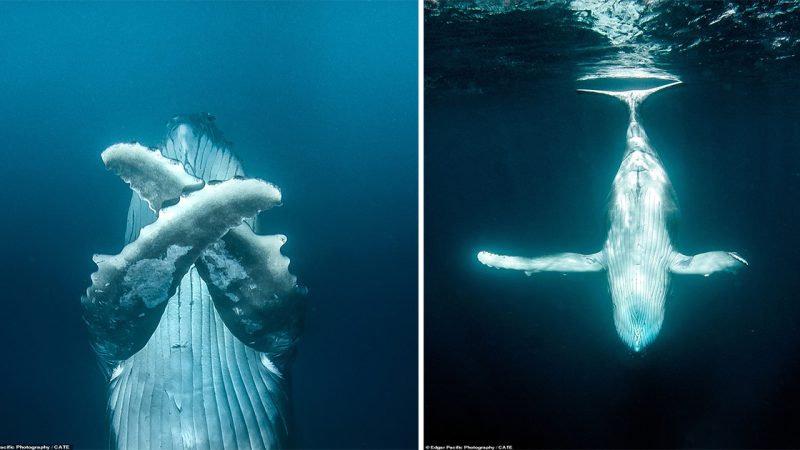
x=195 y=141
x=639 y=323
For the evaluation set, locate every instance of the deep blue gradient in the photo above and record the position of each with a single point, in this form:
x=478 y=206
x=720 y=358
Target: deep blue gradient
x=319 y=98
x=536 y=361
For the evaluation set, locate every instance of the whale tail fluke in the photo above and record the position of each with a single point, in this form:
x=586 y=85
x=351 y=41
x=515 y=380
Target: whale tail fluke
x=632 y=98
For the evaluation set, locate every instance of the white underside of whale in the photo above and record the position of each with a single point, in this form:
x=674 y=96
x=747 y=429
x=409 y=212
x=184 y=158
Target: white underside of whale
x=638 y=255
x=195 y=385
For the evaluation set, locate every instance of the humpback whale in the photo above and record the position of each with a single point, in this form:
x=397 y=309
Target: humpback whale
x=196 y=318
x=638 y=255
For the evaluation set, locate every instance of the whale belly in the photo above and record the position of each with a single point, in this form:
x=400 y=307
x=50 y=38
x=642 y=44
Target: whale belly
x=638 y=252
x=194 y=385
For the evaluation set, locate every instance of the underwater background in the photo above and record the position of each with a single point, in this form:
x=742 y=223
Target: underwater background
x=319 y=98
x=517 y=163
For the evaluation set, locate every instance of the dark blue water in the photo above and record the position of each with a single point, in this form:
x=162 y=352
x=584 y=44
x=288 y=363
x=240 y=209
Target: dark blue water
x=516 y=162
x=319 y=98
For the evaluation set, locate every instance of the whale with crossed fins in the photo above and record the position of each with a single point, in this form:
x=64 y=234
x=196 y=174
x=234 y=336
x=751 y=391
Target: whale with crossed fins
x=195 y=320
x=638 y=255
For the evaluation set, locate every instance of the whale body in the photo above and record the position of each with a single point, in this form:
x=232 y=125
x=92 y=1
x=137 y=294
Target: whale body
x=638 y=255
x=196 y=318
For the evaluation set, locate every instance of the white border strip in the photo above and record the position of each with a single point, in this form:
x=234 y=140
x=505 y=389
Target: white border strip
x=420 y=226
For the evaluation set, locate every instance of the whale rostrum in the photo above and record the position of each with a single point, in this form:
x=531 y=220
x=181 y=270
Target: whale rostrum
x=638 y=255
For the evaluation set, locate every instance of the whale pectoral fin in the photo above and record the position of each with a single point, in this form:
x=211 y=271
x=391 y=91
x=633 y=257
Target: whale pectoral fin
x=706 y=263
x=562 y=262
x=130 y=290
x=254 y=293
x=156 y=179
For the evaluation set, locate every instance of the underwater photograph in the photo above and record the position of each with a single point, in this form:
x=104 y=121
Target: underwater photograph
x=209 y=225
x=611 y=224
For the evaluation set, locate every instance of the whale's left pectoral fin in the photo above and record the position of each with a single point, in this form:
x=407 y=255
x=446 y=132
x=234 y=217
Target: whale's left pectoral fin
x=706 y=263
x=562 y=262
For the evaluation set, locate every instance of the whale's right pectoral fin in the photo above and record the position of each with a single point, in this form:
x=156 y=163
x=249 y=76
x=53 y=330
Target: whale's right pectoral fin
x=562 y=262
x=706 y=263
x=253 y=291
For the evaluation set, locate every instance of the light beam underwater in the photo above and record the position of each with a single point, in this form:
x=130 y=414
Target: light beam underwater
x=196 y=318
x=638 y=255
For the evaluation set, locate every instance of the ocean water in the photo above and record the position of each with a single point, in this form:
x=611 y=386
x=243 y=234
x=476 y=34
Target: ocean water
x=516 y=162
x=319 y=98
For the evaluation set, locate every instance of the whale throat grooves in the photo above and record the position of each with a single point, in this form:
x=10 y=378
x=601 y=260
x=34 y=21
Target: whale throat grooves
x=196 y=318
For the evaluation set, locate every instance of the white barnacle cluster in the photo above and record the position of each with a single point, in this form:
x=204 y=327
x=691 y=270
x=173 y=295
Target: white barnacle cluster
x=149 y=280
x=224 y=269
